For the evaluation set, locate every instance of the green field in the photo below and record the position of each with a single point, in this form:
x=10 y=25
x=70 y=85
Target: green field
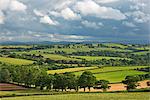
x=88 y=96
x=142 y=53
x=113 y=74
x=15 y=46
x=118 y=76
x=58 y=57
x=92 y=58
x=70 y=70
x=15 y=61
x=115 y=45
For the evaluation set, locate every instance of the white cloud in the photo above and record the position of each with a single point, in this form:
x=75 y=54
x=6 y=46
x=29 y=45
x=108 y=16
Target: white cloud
x=69 y=38
x=47 y=20
x=106 y=1
x=129 y=24
x=89 y=7
x=2 y=17
x=10 y=5
x=68 y=14
x=91 y=24
x=4 y=4
x=38 y=13
x=17 y=6
x=36 y=36
x=139 y=16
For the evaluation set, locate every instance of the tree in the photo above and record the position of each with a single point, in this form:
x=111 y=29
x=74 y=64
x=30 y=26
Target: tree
x=103 y=84
x=5 y=76
x=87 y=80
x=131 y=82
x=72 y=81
x=43 y=80
x=60 y=82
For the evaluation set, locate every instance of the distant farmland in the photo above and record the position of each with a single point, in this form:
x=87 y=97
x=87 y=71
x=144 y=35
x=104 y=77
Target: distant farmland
x=15 y=61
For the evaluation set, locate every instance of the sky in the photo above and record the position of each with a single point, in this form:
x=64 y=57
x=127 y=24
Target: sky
x=74 y=20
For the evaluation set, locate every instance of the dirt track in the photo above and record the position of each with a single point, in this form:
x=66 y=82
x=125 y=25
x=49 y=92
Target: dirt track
x=119 y=87
x=114 y=87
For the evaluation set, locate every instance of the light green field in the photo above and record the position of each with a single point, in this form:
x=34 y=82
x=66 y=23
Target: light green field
x=142 y=53
x=88 y=96
x=15 y=61
x=51 y=56
x=110 y=69
x=92 y=58
x=70 y=70
x=75 y=49
x=58 y=57
x=115 y=45
x=15 y=46
x=113 y=74
x=118 y=76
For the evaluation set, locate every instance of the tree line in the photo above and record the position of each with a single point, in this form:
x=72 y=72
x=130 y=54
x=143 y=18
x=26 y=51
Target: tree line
x=35 y=77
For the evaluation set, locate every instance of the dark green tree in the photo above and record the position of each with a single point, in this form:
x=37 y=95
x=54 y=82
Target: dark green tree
x=5 y=75
x=103 y=84
x=131 y=82
x=87 y=79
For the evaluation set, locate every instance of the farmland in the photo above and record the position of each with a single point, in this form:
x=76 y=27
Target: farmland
x=113 y=74
x=15 y=61
x=90 y=58
x=56 y=68
x=70 y=70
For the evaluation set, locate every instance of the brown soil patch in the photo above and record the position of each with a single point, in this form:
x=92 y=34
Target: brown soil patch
x=10 y=87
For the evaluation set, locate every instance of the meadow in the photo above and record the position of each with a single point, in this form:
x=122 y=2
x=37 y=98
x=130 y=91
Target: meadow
x=87 y=96
x=112 y=74
x=15 y=61
x=70 y=70
x=92 y=58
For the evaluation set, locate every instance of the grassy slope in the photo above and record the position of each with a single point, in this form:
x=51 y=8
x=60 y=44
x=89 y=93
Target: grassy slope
x=113 y=74
x=89 y=96
x=91 y=58
x=58 y=57
x=114 y=77
x=70 y=70
x=15 y=61
x=109 y=69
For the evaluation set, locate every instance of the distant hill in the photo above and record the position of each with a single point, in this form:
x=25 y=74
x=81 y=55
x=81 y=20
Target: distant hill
x=65 y=42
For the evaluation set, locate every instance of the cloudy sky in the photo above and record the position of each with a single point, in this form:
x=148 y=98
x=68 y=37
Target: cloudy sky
x=74 y=20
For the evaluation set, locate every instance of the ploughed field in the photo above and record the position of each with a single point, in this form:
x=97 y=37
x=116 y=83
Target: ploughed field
x=11 y=87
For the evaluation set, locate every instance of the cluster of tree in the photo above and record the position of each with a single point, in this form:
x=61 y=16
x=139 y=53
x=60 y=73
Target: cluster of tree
x=146 y=69
x=100 y=53
x=132 y=81
x=36 y=77
x=26 y=56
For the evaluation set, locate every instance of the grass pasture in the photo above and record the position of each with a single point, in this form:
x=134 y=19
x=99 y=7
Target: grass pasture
x=92 y=58
x=113 y=74
x=15 y=61
x=15 y=46
x=115 y=45
x=110 y=69
x=70 y=70
x=58 y=57
x=118 y=76
x=87 y=96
